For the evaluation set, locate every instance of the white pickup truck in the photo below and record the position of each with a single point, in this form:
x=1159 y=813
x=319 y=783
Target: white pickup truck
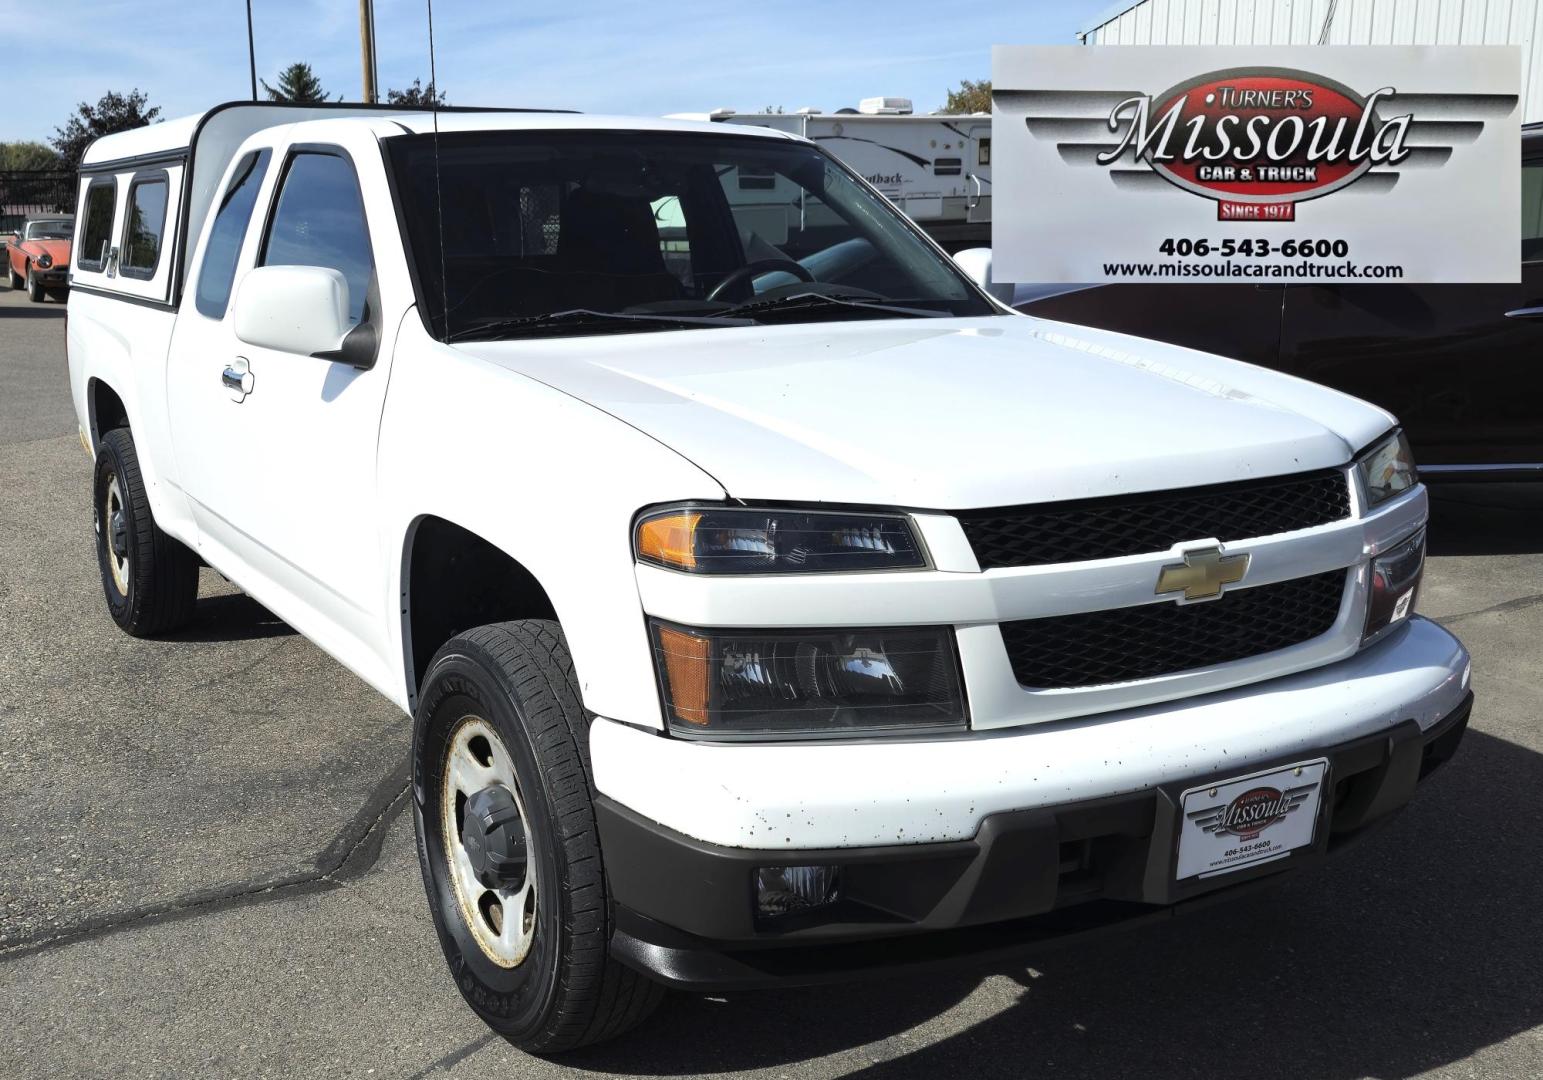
x=769 y=610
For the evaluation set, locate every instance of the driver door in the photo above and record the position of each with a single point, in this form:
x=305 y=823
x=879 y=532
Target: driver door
x=278 y=451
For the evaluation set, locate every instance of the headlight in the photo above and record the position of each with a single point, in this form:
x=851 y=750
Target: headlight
x=45 y=260
x=807 y=683
x=1395 y=584
x=1387 y=469
x=715 y=540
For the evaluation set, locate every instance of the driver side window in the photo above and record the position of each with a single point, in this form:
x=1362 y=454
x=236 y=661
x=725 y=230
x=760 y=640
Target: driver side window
x=318 y=220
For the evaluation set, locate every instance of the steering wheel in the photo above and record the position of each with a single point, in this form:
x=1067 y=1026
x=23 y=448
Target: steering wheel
x=756 y=267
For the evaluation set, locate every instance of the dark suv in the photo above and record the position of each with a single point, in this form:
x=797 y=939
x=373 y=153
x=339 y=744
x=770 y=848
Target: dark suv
x=1458 y=364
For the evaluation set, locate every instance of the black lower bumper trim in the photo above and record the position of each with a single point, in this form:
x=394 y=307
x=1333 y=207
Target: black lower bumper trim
x=685 y=909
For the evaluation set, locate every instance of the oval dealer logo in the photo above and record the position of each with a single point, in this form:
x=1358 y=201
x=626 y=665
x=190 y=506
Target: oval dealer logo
x=1259 y=137
x=1255 y=810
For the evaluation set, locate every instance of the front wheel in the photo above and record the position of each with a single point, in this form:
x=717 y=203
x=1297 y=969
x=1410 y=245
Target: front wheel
x=508 y=845
x=34 y=287
x=150 y=579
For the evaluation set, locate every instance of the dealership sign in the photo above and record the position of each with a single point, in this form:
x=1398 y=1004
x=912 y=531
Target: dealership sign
x=1263 y=164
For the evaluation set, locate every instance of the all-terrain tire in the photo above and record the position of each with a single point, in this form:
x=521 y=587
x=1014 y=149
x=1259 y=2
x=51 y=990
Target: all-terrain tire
x=567 y=991
x=150 y=579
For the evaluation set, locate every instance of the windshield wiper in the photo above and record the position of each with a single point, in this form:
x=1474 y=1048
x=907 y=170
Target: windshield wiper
x=557 y=322
x=813 y=302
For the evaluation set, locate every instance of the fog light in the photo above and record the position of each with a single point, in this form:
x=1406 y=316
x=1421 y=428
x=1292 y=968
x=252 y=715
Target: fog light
x=1395 y=584
x=790 y=890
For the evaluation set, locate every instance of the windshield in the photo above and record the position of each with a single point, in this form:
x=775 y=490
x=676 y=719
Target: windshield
x=49 y=230
x=563 y=232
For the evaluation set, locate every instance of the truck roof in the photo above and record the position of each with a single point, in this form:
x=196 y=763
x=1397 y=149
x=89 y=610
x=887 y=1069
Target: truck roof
x=181 y=134
x=204 y=144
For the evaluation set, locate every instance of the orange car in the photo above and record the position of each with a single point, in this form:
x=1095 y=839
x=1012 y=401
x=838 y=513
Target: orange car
x=39 y=256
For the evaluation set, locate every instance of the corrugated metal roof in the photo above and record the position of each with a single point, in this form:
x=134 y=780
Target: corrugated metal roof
x=1108 y=15
x=1338 y=22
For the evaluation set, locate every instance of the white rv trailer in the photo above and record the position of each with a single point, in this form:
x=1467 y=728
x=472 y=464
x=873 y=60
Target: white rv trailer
x=937 y=168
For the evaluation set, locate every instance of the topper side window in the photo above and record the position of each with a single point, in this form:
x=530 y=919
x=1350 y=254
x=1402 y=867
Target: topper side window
x=97 y=230
x=144 y=226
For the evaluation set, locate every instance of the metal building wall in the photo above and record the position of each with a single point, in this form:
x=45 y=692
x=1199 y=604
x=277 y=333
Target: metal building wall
x=1335 y=22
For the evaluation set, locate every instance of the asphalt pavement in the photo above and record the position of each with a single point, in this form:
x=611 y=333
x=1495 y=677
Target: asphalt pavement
x=206 y=871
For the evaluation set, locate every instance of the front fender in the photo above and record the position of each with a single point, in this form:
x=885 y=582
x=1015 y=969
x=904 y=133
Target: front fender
x=551 y=481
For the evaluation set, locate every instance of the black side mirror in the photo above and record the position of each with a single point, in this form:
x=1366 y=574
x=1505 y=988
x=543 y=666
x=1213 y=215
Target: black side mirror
x=361 y=345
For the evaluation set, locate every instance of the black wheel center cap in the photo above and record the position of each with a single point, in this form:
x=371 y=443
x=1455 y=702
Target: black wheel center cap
x=118 y=530
x=494 y=837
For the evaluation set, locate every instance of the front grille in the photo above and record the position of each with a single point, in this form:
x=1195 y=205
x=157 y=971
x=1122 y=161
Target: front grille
x=1159 y=639
x=1153 y=521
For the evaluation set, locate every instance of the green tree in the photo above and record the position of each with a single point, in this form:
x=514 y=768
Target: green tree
x=417 y=95
x=28 y=157
x=973 y=96
x=112 y=113
x=299 y=84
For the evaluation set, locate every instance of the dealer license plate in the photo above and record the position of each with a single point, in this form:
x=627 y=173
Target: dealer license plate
x=1251 y=820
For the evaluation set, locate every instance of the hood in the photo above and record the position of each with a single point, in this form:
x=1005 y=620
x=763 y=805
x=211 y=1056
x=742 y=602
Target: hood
x=58 y=250
x=949 y=413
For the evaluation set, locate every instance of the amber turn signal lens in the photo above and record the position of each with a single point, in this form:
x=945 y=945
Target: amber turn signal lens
x=685 y=664
x=670 y=539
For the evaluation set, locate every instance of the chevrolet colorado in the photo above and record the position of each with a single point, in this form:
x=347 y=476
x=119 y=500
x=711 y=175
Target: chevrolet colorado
x=771 y=604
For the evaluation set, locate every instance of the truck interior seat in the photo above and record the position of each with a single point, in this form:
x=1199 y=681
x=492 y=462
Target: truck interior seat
x=611 y=243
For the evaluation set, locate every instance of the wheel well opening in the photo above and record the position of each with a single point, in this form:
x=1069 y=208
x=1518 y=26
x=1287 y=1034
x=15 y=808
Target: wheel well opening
x=456 y=581
x=107 y=411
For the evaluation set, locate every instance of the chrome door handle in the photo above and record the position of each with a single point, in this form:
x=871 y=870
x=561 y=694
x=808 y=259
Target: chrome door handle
x=1525 y=313
x=238 y=379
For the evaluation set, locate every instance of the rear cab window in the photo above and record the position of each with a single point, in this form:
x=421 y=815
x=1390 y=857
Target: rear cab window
x=222 y=252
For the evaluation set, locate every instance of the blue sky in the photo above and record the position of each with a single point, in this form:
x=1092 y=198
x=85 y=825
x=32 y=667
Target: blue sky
x=594 y=55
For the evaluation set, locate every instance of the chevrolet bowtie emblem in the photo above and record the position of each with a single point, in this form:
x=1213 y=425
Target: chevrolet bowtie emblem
x=1203 y=574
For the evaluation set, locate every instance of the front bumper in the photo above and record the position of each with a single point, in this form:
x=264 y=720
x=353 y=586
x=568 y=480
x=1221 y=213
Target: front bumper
x=878 y=791
x=992 y=840
x=56 y=278
x=684 y=908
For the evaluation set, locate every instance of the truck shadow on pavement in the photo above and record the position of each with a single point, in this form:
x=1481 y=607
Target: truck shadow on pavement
x=33 y=311
x=231 y=617
x=1409 y=951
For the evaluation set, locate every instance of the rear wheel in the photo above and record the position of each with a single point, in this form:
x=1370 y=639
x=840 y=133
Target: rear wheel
x=34 y=287
x=10 y=272
x=508 y=843
x=149 y=578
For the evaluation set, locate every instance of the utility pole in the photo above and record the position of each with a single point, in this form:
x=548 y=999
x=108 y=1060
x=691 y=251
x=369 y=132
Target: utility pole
x=367 y=47
x=251 y=49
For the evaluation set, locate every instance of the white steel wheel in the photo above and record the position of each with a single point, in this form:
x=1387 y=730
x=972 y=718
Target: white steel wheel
x=115 y=522
x=488 y=843
x=501 y=795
